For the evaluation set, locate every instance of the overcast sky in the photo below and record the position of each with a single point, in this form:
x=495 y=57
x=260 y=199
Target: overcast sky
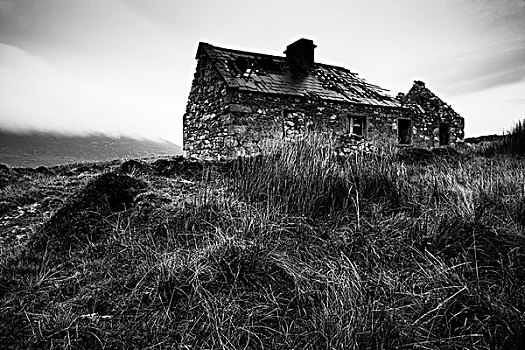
x=125 y=66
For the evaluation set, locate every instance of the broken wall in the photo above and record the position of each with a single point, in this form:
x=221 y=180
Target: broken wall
x=225 y=122
x=204 y=122
x=429 y=111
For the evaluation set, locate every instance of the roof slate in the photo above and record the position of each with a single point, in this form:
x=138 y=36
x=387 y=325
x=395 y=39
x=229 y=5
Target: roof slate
x=255 y=72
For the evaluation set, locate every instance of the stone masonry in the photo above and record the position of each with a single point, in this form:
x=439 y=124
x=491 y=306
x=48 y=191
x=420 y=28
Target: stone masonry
x=238 y=99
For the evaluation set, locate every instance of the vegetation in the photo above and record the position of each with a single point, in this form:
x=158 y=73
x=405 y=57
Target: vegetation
x=292 y=249
x=512 y=143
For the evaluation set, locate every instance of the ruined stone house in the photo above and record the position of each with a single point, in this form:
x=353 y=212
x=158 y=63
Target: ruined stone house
x=239 y=98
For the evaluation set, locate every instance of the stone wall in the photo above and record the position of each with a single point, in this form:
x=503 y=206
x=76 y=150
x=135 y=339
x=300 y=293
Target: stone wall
x=432 y=113
x=204 y=126
x=224 y=122
x=290 y=117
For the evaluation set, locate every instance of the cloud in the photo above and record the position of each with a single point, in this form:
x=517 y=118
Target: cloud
x=493 y=110
x=6 y=8
x=481 y=69
x=78 y=66
x=35 y=95
x=484 y=49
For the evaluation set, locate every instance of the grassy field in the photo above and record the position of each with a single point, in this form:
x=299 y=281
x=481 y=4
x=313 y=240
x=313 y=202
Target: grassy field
x=294 y=249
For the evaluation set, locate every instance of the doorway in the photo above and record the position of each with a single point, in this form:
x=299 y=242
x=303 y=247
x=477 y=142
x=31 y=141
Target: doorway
x=444 y=134
x=404 y=131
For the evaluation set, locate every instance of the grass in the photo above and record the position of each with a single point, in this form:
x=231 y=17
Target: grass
x=512 y=143
x=296 y=248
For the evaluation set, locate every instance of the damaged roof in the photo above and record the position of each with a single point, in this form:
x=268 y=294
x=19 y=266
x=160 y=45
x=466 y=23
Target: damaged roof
x=268 y=74
x=424 y=101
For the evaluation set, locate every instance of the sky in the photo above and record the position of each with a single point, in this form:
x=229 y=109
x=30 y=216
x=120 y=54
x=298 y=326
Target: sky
x=125 y=67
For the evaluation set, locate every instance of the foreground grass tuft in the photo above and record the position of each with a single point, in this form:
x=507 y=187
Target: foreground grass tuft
x=291 y=249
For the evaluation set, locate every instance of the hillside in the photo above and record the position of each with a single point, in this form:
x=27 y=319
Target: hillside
x=45 y=149
x=294 y=249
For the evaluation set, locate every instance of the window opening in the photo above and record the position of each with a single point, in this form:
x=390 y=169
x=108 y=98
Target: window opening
x=444 y=134
x=404 y=131
x=356 y=124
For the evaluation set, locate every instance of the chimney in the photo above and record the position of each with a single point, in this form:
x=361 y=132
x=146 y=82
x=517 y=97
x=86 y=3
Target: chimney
x=301 y=53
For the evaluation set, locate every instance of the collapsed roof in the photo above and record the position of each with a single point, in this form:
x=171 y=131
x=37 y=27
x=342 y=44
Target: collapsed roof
x=422 y=100
x=266 y=74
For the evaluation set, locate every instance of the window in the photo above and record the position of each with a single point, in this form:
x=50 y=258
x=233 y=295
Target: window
x=355 y=124
x=404 y=131
x=444 y=134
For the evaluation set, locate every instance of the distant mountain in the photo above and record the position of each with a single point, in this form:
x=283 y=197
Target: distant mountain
x=36 y=149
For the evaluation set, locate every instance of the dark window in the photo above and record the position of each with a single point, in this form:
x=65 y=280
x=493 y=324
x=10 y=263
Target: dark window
x=355 y=124
x=404 y=131
x=269 y=65
x=444 y=134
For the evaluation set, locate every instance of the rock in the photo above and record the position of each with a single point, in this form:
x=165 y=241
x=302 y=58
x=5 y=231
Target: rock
x=238 y=129
x=240 y=108
x=230 y=142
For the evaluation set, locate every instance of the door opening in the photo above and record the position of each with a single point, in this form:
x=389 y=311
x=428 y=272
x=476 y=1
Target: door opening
x=444 y=134
x=404 y=131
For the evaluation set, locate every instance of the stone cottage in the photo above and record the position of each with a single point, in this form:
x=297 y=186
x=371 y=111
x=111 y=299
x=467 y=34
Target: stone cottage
x=434 y=121
x=239 y=98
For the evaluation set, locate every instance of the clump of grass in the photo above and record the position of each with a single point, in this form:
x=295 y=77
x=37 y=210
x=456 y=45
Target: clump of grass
x=512 y=143
x=292 y=249
x=81 y=220
x=297 y=178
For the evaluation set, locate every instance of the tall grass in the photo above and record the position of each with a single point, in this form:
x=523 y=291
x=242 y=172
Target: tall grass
x=295 y=248
x=512 y=143
x=301 y=177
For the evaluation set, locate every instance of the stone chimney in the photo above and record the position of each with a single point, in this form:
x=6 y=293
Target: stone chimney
x=301 y=53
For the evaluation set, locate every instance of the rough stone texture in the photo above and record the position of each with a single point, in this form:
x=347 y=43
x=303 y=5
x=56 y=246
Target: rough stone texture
x=205 y=121
x=427 y=112
x=231 y=110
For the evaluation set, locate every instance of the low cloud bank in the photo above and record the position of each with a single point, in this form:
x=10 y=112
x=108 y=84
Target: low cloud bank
x=36 y=95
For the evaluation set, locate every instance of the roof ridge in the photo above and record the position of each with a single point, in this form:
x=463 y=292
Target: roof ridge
x=275 y=75
x=273 y=56
x=241 y=51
